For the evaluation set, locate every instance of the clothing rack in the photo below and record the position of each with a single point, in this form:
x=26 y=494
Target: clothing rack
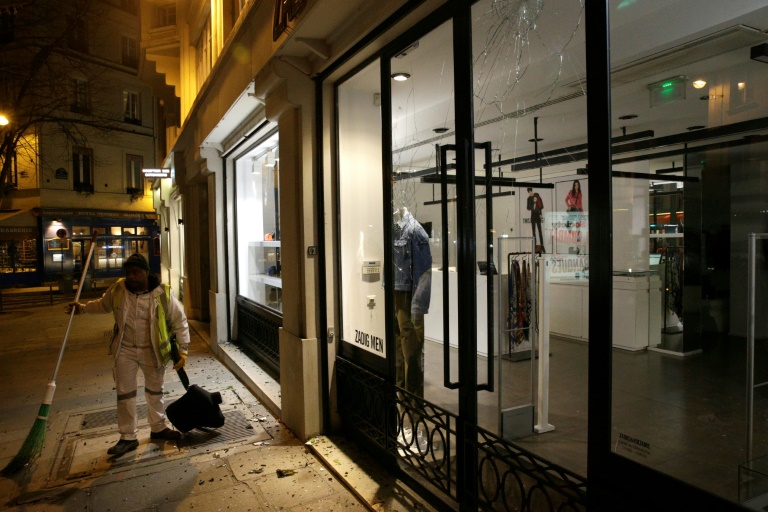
x=524 y=308
x=517 y=418
x=664 y=251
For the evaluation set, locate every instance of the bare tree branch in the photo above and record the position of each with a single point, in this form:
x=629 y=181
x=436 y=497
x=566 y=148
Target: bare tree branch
x=44 y=57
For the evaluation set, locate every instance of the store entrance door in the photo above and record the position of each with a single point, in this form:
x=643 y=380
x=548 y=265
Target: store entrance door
x=419 y=378
x=446 y=278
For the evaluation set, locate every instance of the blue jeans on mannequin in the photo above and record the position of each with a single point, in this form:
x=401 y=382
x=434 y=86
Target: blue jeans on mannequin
x=409 y=346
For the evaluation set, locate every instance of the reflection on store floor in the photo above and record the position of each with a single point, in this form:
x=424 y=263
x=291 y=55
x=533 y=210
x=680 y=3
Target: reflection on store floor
x=686 y=415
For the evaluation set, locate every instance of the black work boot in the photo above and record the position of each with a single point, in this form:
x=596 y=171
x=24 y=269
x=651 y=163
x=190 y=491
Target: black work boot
x=123 y=446
x=166 y=435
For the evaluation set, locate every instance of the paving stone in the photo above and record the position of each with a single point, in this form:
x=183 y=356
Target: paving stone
x=141 y=492
x=236 y=475
x=331 y=504
x=268 y=459
x=305 y=487
x=53 y=501
x=236 y=498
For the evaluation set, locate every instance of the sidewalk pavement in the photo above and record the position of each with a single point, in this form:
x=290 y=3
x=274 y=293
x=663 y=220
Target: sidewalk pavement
x=252 y=463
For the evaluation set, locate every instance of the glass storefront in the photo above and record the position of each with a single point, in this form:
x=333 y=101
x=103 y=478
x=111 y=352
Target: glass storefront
x=18 y=250
x=257 y=189
x=480 y=224
x=466 y=256
x=67 y=242
x=685 y=200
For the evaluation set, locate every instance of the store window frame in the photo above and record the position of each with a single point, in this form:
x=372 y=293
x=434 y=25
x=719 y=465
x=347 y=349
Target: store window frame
x=385 y=394
x=612 y=478
x=18 y=255
x=258 y=325
x=268 y=240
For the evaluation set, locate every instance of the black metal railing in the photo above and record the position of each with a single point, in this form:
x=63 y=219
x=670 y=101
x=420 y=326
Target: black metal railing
x=423 y=436
x=258 y=333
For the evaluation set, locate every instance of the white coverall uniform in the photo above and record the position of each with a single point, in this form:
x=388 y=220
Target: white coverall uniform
x=136 y=345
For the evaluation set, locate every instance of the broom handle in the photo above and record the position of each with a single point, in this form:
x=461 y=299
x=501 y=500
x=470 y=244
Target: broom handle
x=72 y=314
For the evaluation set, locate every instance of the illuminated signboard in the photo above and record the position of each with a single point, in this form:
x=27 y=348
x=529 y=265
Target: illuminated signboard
x=156 y=173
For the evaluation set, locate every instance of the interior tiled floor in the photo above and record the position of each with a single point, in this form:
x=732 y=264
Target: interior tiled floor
x=691 y=411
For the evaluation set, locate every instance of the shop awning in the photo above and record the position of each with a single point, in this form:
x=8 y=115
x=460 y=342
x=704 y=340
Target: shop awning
x=7 y=214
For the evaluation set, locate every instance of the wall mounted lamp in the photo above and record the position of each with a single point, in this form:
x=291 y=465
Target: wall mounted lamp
x=699 y=84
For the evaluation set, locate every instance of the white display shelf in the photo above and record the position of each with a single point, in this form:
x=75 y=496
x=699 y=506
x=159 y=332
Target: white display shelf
x=277 y=282
x=264 y=243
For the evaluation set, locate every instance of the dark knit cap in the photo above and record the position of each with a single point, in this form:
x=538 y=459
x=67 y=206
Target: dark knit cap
x=137 y=260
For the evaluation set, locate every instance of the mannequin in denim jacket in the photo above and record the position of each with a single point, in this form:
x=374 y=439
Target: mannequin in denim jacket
x=413 y=282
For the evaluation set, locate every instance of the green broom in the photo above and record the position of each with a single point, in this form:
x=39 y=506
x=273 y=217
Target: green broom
x=33 y=445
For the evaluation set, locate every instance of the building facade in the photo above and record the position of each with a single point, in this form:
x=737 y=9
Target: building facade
x=329 y=149
x=85 y=125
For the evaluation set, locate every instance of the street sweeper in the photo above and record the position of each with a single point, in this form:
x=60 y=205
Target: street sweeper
x=147 y=316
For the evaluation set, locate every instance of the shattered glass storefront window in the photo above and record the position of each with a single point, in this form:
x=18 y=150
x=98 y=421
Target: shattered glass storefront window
x=530 y=195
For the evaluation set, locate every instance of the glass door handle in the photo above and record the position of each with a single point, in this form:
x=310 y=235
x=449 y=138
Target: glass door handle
x=443 y=166
x=490 y=331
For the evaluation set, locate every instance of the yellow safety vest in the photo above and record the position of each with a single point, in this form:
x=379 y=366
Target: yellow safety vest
x=163 y=329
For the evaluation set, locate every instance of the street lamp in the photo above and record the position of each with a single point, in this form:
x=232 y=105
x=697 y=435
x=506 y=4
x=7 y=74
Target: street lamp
x=4 y=120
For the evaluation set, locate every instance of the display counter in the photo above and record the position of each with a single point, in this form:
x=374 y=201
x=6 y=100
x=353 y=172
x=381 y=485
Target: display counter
x=637 y=318
x=636 y=309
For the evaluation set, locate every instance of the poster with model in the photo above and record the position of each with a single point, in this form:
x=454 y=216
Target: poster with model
x=570 y=227
x=536 y=210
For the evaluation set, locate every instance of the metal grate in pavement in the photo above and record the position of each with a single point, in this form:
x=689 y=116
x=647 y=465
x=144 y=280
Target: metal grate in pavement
x=108 y=417
x=236 y=427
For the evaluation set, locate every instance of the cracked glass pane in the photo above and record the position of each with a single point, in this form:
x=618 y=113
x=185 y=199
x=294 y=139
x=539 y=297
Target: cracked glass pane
x=528 y=99
x=425 y=237
x=529 y=130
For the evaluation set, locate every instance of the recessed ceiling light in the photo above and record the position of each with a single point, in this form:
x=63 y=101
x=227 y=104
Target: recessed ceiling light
x=400 y=77
x=628 y=116
x=535 y=140
x=699 y=84
x=442 y=129
x=696 y=127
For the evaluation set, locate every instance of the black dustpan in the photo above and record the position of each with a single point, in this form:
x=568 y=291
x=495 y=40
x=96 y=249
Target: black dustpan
x=197 y=408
